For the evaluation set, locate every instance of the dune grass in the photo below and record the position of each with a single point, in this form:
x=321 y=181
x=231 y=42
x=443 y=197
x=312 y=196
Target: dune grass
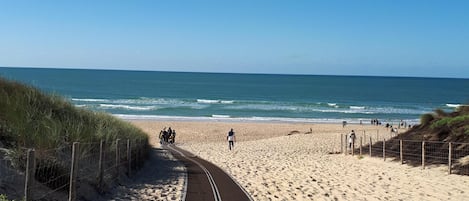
x=455 y=124
x=30 y=118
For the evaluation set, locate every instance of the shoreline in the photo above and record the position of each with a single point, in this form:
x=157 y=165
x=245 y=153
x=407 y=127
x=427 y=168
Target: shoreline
x=365 y=121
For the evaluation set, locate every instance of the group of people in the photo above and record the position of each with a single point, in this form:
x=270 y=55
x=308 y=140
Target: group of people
x=375 y=122
x=167 y=136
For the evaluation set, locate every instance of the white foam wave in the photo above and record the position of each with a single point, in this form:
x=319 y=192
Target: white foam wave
x=89 y=100
x=357 y=107
x=209 y=101
x=128 y=107
x=141 y=100
x=264 y=107
x=452 y=105
x=332 y=104
x=227 y=102
x=220 y=116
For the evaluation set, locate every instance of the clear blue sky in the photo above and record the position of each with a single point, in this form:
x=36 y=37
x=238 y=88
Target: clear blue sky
x=376 y=37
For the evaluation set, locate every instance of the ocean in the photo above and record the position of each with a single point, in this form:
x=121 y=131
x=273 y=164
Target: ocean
x=247 y=97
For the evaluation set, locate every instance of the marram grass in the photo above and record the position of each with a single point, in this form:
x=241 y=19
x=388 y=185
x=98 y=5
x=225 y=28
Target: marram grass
x=30 y=118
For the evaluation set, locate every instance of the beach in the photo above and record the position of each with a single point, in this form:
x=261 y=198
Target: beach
x=297 y=161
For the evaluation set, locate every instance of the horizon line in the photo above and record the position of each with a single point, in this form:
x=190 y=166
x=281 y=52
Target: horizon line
x=221 y=72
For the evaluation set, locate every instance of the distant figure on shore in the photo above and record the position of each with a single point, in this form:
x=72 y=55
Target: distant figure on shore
x=351 y=139
x=344 y=123
x=375 y=122
x=231 y=139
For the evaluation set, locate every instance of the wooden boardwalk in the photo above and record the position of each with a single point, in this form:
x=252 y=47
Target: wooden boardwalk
x=206 y=181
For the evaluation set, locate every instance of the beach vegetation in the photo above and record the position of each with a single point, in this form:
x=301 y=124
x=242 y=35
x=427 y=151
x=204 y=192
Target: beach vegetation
x=442 y=126
x=31 y=118
x=450 y=121
x=438 y=129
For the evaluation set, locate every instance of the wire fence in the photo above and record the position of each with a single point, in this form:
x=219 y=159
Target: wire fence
x=367 y=137
x=412 y=152
x=70 y=171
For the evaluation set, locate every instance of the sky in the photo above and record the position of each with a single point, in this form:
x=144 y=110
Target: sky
x=350 y=37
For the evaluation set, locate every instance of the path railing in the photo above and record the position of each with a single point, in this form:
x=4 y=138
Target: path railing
x=75 y=170
x=416 y=153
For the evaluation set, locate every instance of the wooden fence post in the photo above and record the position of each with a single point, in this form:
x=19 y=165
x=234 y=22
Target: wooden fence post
x=346 y=144
x=370 y=145
x=137 y=158
x=72 y=194
x=30 y=171
x=361 y=144
x=341 y=144
x=401 y=151
x=129 y=158
x=384 y=149
x=101 y=164
x=353 y=147
x=450 y=152
x=423 y=154
x=117 y=159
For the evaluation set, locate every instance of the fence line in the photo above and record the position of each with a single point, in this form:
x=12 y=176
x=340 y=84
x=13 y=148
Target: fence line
x=65 y=172
x=416 y=153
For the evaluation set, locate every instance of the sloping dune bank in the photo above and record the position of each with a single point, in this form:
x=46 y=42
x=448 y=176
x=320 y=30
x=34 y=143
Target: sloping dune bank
x=273 y=165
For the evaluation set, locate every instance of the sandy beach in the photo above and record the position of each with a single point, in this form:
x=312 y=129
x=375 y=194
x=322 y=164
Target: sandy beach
x=293 y=161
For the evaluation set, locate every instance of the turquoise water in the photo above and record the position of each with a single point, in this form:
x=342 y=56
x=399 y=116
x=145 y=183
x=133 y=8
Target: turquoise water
x=247 y=97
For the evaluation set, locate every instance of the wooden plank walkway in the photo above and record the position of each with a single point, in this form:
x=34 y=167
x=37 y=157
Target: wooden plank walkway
x=206 y=181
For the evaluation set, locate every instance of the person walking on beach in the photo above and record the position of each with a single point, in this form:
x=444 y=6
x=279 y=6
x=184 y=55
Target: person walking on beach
x=351 y=139
x=231 y=139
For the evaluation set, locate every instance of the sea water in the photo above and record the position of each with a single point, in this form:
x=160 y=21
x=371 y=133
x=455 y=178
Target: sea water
x=247 y=97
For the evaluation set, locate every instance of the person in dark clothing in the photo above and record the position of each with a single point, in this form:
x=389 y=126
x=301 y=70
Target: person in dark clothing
x=172 y=138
